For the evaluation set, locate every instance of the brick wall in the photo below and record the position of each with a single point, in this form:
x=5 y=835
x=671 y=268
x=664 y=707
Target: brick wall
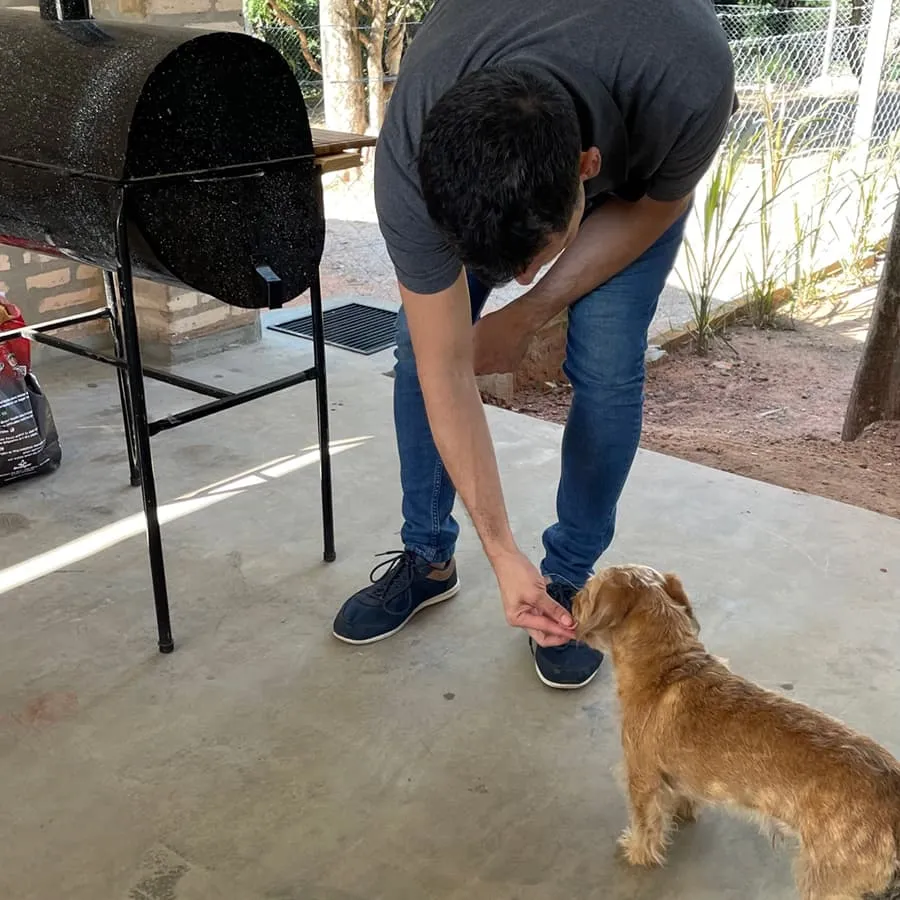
x=178 y=324
x=174 y=323
x=214 y=13
x=46 y=288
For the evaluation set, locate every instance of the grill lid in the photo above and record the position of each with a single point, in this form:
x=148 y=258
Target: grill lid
x=90 y=107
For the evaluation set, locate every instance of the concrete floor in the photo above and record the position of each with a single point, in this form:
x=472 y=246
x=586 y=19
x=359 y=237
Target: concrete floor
x=265 y=761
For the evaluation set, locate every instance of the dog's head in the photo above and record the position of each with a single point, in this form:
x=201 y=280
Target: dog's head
x=618 y=594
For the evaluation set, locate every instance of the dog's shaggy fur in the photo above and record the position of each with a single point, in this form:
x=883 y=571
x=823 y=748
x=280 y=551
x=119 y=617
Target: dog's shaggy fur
x=695 y=733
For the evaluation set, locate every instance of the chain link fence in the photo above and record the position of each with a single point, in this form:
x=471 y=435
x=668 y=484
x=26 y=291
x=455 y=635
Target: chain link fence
x=810 y=61
x=809 y=58
x=793 y=47
x=301 y=39
x=819 y=170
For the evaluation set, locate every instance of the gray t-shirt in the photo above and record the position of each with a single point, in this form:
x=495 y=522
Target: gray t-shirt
x=653 y=82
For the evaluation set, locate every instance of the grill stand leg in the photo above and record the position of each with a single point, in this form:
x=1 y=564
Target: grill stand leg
x=315 y=302
x=115 y=327
x=135 y=379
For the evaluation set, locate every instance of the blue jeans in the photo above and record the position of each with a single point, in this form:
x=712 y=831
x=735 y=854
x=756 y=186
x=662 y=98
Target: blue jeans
x=605 y=347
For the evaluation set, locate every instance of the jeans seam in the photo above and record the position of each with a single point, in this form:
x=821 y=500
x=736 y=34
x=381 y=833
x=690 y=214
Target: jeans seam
x=436 y=502
x=429 y=554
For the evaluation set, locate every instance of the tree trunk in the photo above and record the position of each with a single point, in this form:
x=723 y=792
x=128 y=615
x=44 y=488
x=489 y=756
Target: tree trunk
x=856 y=38
x=395 y=45
x=374 y=63
x=782 y=21
x=393 y=55
x=287 y=19
x=342 y=73
x=876 y=389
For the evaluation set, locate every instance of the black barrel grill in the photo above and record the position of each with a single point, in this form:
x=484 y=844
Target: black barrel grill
x=181 y=157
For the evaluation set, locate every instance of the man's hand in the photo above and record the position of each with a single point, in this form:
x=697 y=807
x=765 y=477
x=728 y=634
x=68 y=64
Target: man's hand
x=441 y=331
x=528 y=605
x=501 y=339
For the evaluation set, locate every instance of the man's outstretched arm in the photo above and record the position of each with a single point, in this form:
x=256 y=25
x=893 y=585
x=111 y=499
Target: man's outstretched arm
x=441 y=330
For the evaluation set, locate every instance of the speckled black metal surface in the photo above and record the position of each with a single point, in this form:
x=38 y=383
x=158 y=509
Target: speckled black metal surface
x=88 y=106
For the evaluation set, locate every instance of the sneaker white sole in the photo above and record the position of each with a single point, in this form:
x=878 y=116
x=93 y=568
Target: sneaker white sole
x=565 y=687
x=434 y=601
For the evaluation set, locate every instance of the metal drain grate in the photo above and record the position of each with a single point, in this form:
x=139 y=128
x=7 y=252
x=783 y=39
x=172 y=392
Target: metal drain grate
x=356 y=327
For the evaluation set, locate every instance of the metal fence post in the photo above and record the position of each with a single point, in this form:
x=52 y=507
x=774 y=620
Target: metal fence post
x=870 y=83
x=829 y=38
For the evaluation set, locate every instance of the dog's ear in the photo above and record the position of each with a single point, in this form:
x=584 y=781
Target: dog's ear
x=675 y=589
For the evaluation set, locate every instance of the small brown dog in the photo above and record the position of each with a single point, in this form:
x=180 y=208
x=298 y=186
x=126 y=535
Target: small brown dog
x=693 y=732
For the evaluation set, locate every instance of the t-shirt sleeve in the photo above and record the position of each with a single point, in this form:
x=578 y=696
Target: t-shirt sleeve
x=695 y=149
x=424 y=262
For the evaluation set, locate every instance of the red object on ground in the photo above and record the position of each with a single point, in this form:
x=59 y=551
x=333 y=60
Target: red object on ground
x=16 y=352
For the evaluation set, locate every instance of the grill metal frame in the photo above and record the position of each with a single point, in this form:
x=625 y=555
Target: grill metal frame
x=120 y=314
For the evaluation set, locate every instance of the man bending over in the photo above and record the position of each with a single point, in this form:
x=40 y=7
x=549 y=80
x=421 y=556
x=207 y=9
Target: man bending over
x=519 y=134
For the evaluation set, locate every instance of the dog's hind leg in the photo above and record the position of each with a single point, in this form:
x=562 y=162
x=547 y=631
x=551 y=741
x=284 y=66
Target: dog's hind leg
x=824 y=881
x=847 y=863
x=652 y=807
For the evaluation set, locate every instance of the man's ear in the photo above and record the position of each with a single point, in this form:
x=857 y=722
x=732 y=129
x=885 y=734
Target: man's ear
x=589 y=165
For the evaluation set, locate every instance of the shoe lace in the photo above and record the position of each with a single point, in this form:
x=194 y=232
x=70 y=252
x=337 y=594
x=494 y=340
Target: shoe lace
x=399 y=571
x=563 y=594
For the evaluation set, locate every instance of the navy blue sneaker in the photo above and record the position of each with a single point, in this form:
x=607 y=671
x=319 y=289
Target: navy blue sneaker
x=407 y=585
x=571 y=666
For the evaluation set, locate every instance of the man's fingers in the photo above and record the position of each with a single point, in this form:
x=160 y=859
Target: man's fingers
x=532 y=622
x=547 y=640
x=546 y=605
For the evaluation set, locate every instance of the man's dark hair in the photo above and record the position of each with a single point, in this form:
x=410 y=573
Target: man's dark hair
x=498 y=165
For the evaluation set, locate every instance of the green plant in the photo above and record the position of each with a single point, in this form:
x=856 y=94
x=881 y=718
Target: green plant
x=808 y=231
x=721 y=229
x=775 y=66
x=866 y=196
x=781 y=139
x=870 y=186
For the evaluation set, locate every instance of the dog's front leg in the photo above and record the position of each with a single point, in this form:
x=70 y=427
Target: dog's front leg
x=685 y=810
x=644 y=842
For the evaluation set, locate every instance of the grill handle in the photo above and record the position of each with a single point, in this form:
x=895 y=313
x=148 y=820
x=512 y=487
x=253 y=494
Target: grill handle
x=274 y=287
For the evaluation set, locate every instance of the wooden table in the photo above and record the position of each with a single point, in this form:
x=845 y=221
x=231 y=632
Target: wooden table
x=337 y=150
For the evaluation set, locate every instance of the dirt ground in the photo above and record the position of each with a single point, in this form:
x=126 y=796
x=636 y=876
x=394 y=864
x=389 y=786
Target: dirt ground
x=768 y=405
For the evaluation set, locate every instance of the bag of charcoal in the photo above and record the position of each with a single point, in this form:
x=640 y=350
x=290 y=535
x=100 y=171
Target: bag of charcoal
x=29 y=442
